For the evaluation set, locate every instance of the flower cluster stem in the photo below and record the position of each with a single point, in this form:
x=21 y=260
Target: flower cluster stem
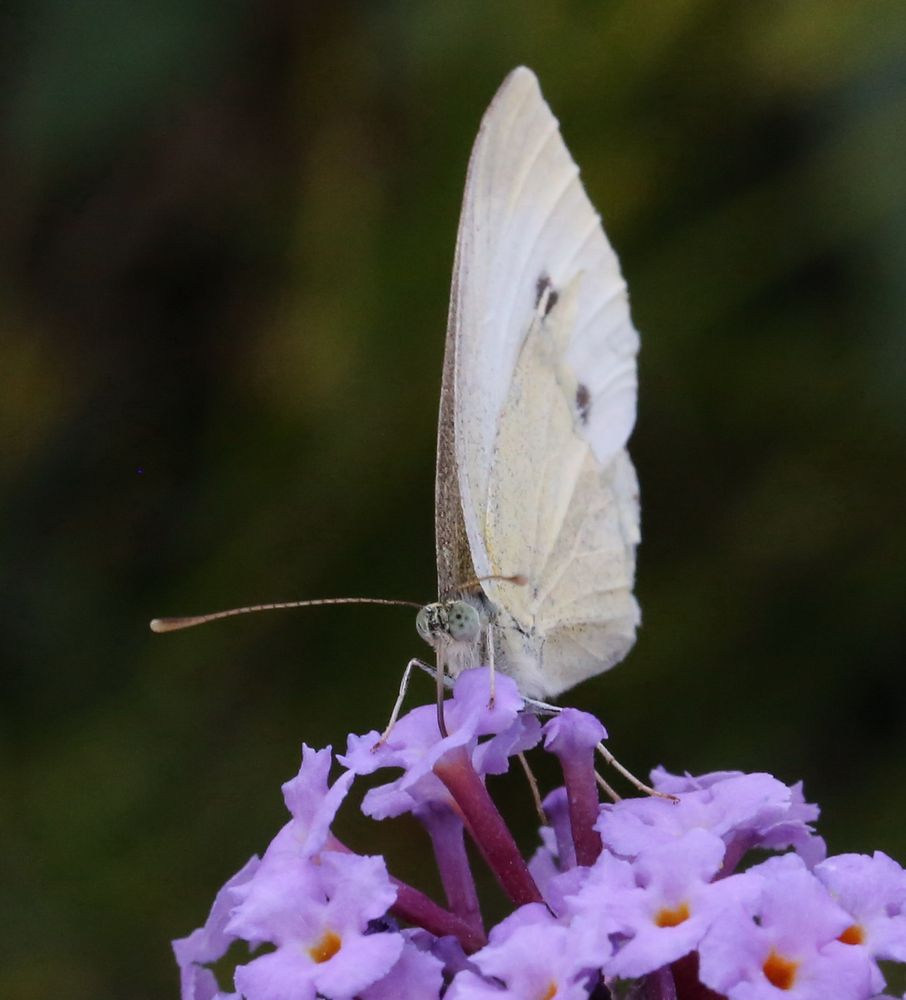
x=582 y=797
x=445 y=828
x=688 y=985
x=416 y=908
x=487 y=826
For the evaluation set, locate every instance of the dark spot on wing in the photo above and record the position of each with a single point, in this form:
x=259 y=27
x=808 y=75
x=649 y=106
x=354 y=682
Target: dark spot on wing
x=542 y=285
x=583 y=402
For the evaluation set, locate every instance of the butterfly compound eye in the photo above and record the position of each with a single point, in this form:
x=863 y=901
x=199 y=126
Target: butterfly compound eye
x=463 y=622
x=422 y=625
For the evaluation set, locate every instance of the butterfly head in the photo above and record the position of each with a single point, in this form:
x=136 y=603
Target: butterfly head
x=449 y=621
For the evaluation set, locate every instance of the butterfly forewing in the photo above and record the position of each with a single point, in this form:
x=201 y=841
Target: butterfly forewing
x=538 y=402
x=454 y=560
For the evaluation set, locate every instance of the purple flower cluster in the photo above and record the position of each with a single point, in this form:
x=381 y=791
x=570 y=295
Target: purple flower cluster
x=656 y=898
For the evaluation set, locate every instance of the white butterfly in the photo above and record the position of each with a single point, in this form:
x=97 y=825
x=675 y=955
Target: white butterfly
x=538 y=400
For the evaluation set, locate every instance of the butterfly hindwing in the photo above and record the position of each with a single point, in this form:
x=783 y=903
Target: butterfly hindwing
x=570 y=524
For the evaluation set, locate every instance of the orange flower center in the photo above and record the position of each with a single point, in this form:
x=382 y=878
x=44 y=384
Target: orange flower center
x=780 y=971
x=666 y=917
x=550 y=992
x=853 y=935
x=324 y=949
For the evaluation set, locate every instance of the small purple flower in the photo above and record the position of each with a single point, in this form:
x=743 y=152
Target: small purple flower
x=669 y=906
x=317 y=916
x=557 y=852
x=572 y=736
x=745 y=810
x=872 y=890
x=781 y=817
x=447 y=771
x=209 y=943
x=786 y=941
x=414 y=742
x=313 y=804
x=572 y=731
x=416 y=746
x=535 y=958
x=588 y=897
x=417 y=974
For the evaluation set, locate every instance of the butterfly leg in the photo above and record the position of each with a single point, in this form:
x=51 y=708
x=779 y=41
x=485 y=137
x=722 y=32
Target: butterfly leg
x=542 y=707
x=630 y=777
x=404 y=687
x=608 y=791
x=533 y=788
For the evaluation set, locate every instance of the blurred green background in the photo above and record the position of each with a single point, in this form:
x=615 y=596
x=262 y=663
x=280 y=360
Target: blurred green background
x=227 y=244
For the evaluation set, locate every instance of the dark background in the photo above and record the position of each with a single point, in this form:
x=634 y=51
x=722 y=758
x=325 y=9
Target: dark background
x=226 y=252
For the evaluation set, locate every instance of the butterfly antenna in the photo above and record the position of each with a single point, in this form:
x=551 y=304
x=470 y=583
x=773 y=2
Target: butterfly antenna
x=189 y=621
